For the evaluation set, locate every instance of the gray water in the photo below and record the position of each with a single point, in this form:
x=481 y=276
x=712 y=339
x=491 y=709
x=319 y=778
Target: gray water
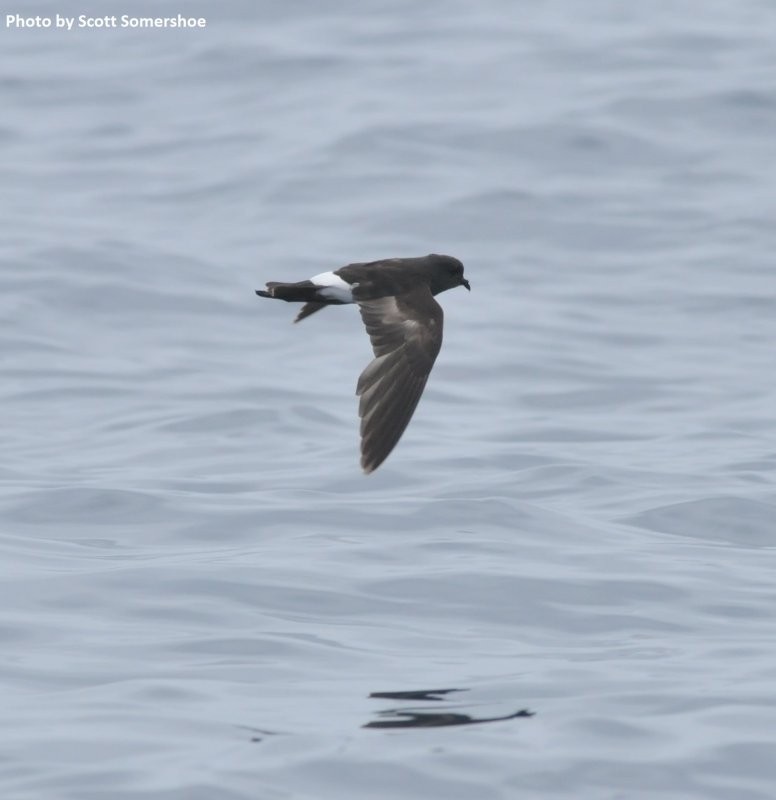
x=201 y=590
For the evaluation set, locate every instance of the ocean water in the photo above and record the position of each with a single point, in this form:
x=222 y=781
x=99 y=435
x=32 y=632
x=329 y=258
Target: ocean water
x=202 y=595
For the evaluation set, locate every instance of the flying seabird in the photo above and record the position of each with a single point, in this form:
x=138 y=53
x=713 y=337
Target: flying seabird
x=396 y=299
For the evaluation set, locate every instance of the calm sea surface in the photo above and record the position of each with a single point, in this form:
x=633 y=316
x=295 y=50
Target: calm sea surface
x=200 y=591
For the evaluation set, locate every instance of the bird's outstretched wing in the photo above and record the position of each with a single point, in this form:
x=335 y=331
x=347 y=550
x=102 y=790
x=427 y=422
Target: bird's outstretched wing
x=406 y=334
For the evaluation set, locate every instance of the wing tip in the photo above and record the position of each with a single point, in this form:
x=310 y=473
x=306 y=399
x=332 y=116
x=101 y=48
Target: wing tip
x=371 y=458
x=370 y=461
x=369 y=466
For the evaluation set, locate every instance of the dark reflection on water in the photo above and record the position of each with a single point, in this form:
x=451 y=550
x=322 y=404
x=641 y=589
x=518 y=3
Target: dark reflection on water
x=421 y=694
x=408 y=717
x=413 y=718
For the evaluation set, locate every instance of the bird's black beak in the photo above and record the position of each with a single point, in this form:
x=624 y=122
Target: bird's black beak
x=465 y=283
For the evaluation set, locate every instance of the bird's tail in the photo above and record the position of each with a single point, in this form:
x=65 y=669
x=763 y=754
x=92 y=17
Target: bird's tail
x=302 y=292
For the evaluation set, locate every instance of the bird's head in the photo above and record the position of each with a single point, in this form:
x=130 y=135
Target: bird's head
x=446 y=273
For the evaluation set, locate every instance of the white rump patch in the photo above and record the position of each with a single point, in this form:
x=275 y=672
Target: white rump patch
x=333 y=287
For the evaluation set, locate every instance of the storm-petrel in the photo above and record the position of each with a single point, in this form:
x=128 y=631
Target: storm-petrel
x=404 y=323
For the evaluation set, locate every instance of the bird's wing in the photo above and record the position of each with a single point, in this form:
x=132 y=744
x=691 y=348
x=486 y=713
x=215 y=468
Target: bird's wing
x=406 y=334
x=307 y=309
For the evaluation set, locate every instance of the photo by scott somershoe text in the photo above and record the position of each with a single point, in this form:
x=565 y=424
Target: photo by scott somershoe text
x=112 y=21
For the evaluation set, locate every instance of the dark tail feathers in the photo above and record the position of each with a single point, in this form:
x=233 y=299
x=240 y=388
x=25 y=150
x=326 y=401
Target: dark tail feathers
x=303 y=292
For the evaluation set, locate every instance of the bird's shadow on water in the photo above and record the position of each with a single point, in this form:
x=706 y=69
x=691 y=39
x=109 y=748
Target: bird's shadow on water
x=416 y=716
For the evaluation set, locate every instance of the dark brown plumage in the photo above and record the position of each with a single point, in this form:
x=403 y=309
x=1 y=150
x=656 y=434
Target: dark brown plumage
x=404 y=323
x=406 y=335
